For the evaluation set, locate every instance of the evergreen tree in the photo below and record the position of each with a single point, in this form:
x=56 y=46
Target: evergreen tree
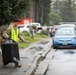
x=10 y=9
x=44 y=7
x=65 y=9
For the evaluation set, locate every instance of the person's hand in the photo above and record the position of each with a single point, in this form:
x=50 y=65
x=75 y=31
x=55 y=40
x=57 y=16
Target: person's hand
x=7 y=37
x=22 y=40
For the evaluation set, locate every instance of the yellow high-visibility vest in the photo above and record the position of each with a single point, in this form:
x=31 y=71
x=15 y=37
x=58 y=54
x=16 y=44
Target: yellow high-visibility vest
x=14 y=34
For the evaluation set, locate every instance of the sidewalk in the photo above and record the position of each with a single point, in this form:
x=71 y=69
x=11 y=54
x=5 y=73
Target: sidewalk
x=28 y=57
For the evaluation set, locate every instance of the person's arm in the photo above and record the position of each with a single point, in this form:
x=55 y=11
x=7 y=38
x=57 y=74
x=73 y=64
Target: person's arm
x=21 y=38
x=6 y=33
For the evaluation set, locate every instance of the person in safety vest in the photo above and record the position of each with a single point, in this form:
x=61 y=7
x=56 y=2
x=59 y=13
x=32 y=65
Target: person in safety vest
x=13 y=32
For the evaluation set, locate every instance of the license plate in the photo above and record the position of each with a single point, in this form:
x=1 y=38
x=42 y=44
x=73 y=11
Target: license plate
x=64 y=43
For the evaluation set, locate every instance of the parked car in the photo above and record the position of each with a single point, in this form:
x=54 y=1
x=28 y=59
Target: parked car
x=45 y=27
x=64 y=37
x=66 y=26
x=36 y=24
x=24 y=28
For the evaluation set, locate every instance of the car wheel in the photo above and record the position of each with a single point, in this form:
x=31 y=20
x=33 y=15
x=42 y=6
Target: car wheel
x=54 y=47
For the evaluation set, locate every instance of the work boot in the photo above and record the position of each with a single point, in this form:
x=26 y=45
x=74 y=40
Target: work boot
x=17 y=65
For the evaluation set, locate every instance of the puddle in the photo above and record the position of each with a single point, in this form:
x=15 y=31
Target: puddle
x=69 y=52
x=36 y=48
x=43 y=42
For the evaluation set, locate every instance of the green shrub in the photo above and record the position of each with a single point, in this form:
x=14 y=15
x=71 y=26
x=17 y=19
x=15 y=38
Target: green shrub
x=25 y=33
x=34 y=27
x=43 y=32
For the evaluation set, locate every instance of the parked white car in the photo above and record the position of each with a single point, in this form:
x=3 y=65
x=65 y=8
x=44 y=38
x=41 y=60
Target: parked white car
x=24 y=28
x=36 y=24
x=45 y=27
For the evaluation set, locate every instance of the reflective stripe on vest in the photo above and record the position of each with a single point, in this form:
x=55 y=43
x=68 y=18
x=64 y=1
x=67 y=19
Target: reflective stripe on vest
x=14 y=34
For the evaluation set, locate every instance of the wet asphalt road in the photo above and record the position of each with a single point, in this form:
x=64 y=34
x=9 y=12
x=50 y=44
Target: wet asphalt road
x=28 y=57
x=61 y=62
x=56 y=62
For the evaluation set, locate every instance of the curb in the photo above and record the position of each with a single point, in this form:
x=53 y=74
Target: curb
x=35 y=63
x=33 y=66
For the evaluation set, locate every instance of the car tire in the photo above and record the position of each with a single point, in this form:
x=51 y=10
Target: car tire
x=54 y=47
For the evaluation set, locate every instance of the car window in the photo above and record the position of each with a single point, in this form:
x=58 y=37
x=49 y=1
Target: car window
x=65 y=32
x=67 y=26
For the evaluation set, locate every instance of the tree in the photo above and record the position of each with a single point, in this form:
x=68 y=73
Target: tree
x=55 y=18
x=43 y=9
x=64 y=9
x=46 y=11
x=10 y=9
x=74 y=8
x=55 y=6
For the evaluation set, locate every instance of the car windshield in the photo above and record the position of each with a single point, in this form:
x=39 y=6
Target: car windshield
x=67 y=32
x=66 y=26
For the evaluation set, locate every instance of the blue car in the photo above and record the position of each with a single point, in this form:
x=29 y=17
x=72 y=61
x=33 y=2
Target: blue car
x=64 y=37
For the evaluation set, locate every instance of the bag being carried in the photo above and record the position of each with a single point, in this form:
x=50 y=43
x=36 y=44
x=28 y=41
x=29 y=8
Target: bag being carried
x=10 y=51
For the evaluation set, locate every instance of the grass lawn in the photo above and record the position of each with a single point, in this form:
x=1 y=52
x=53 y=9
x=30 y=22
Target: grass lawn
x=30 y=40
